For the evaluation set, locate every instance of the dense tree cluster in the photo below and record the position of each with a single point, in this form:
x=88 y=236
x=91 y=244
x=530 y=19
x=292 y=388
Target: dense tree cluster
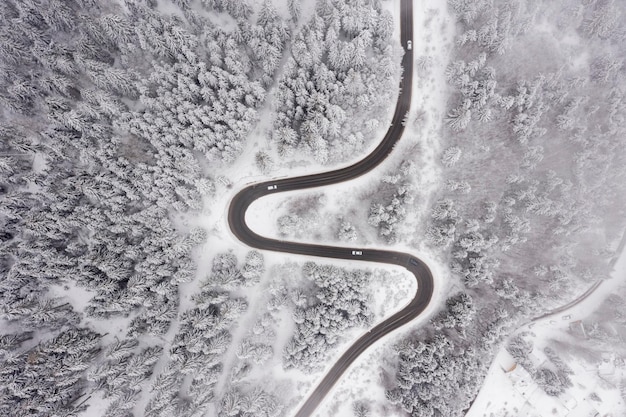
x=227 y=274
x=186 y=385
x=472 y=260
x=304 y=217
x=394 y=196
x=517 y=209
x=437 y=364
x=385 y=217
x=534 y=200
x=431 y=372
x=180 y=109
x=109 y=113
x=553 y=376
x=121 y=374
x=339 y=73
x=256 y=402
x=459 y=313
x=477 y=84
x=48 y=378
x=340 y=302
x=257 y=352
x=443 y=227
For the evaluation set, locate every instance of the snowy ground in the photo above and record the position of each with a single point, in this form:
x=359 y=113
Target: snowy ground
x=362 y=382
x=433 y=34
x=513 y=393
x=499 y=396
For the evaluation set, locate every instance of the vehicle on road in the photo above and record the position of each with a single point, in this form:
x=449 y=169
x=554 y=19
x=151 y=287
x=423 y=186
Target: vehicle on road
x=272 y=187
x=409 y=45
x=413 y=262
x=567 y=317
x=423 y=276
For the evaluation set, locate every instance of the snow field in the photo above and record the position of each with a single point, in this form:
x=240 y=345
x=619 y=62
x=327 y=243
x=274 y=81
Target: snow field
x=498 y=393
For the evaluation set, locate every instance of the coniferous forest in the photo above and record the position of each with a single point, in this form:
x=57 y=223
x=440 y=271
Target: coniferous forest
x=120 y=120
x=529 y=209
x=117 y=116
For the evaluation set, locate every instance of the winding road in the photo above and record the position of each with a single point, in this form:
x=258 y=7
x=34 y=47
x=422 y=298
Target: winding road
x=242 y=200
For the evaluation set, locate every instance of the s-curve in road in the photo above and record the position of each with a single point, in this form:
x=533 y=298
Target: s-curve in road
x=423 y=276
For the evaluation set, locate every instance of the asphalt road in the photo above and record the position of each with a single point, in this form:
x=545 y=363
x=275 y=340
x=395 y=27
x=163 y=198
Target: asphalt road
x=423 y=276
x=586 y=294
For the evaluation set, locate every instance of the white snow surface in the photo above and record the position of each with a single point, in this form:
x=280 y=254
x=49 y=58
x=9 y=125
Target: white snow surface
x=362 y=380
x=391 y=292
x=498 y=393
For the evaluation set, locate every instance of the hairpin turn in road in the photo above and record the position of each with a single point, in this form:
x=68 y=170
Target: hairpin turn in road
x=423 y=276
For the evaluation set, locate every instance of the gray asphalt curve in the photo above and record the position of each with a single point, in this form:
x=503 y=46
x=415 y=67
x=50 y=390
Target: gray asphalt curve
x=242 y=200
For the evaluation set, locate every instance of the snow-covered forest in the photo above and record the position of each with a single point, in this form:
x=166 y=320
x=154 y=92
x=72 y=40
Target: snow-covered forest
x=591 y=344
x=117 y=119
x=530 y=209
x=121 y=293
x=330 y=93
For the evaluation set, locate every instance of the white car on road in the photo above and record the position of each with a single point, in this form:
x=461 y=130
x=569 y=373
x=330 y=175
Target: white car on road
x=409 y=45
x=357 y=252
x=272 y=187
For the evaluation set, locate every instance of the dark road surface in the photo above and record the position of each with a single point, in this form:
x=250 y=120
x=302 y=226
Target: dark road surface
x=423 y=276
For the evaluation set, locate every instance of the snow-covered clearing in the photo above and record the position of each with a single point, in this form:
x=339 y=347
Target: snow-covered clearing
x=362 y=382
x=511 y=392
x=499 y=393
